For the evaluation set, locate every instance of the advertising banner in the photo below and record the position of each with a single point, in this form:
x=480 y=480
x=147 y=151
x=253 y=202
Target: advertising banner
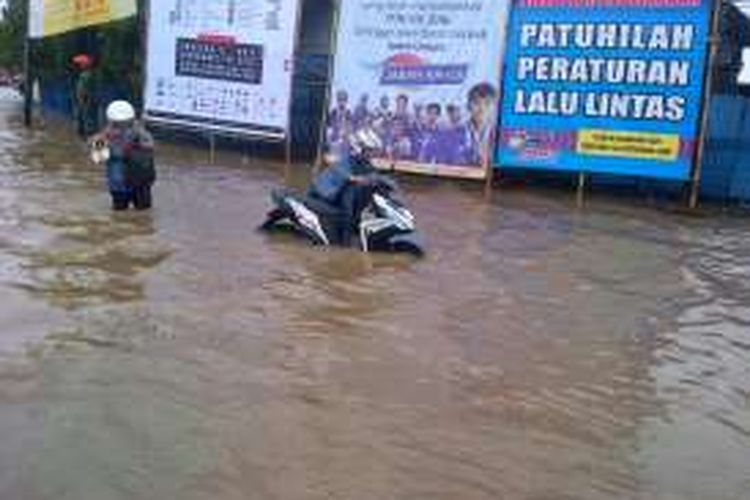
x=424 y=74
x=223 y=65
x=52 y=17
x=609 y=86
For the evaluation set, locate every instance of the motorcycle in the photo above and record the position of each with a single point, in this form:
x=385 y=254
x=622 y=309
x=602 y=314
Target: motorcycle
x=385 y=224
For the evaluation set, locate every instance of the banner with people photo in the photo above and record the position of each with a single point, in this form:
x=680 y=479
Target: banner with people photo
x=609 y=86
x=52 y=17
x=221 y=65
x=424 y=74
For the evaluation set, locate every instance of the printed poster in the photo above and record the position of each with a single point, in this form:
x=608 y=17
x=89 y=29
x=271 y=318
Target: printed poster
x=424 y=74
x=222 y=65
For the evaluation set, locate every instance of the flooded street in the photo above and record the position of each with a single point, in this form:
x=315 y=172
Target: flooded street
x=539 y=352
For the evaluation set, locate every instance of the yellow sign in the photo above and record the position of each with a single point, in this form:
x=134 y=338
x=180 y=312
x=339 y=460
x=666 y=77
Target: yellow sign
x=52 y=17
x=622 y=144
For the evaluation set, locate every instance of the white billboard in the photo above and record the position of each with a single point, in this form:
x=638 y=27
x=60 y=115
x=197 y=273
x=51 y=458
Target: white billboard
x=223 y=65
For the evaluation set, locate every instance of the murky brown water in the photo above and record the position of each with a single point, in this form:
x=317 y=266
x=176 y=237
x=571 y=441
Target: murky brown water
x=538 y=353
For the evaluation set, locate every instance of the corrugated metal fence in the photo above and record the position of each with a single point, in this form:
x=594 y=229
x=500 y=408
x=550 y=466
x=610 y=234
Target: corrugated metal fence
x=726 y=165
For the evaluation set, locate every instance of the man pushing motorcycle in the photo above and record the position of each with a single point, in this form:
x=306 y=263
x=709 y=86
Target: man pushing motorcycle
x=346 y=184
x=349 y=197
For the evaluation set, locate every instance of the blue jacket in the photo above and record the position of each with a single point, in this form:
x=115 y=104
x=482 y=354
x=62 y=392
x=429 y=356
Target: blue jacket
x=329 y=184
x=116 y=173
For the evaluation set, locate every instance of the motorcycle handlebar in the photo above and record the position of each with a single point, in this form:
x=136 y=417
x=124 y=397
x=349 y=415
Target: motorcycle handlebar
x=379 y=181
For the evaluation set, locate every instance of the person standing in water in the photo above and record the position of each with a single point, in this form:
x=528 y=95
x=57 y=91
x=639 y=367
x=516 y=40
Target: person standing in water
x=85 y=96
x=130 y=164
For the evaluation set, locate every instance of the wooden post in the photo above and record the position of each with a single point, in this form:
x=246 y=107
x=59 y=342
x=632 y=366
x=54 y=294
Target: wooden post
x=705 y=106
x=581 y=191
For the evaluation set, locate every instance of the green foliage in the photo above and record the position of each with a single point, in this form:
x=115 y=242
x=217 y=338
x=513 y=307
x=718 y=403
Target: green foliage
x=12 y=34
x=115 y=46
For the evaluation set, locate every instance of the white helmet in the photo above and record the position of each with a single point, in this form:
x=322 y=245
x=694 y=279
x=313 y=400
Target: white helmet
x=120 y=111
x=365 y=140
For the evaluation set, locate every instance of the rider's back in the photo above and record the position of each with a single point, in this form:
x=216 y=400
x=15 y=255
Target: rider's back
x=329 y=184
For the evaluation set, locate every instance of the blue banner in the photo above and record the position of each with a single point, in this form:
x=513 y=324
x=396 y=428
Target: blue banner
x=609 y=86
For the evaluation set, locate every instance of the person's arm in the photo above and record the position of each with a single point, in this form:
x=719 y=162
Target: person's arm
x=358 y=180
x=361 y=171
x=362 y=179
x=100 y=137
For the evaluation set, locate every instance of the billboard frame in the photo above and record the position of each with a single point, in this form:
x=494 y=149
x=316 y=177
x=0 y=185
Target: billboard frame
x=692 y=173
x=483 y=172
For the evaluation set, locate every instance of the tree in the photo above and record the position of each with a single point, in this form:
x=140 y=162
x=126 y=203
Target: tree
x=116 y=47
x=13 y=33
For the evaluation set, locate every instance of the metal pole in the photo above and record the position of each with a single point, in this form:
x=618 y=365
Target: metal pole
x=333 y=42
x=489 y=179
x=145 y=39
x=142 y=23
x=288 y=151
x=28 y=88
x=581 y=191
x=290 y=106
x=705 y=106
x=287 y=158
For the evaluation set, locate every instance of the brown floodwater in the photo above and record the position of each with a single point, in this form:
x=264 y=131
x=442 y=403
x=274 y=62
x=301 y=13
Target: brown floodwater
x=539 y=352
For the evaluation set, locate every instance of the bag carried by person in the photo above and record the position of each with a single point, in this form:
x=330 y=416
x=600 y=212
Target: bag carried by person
x=99 y=153
x=139 y=168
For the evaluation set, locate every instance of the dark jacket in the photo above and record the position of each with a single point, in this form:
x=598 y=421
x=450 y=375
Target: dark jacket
x=131 y=159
